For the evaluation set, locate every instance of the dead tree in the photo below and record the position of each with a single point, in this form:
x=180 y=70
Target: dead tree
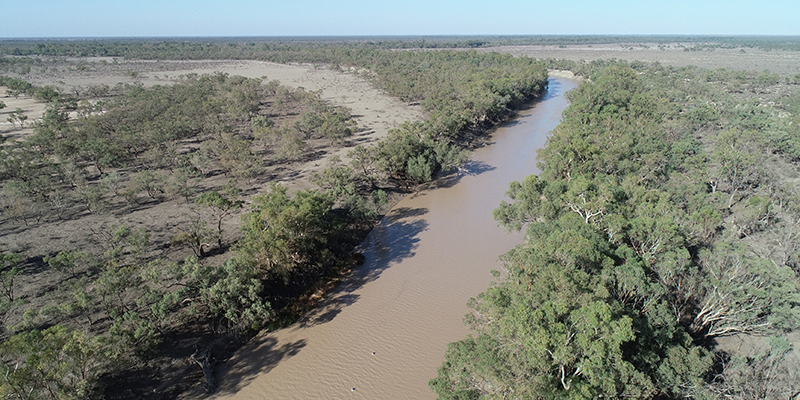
x=204 y=360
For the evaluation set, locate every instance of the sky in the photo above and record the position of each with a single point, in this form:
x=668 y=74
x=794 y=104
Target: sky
x=158 y=18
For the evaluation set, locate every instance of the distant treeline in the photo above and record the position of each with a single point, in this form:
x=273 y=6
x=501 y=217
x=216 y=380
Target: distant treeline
x=266 y=47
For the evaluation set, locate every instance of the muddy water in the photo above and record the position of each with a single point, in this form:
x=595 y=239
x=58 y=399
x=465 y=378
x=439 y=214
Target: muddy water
x=384 y=332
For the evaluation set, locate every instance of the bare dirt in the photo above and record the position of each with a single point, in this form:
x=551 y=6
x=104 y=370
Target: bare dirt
x=30 y=107
x=382 y=333
x=374 y=112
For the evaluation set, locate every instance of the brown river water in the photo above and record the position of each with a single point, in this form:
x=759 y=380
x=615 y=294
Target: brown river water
x=382 y=333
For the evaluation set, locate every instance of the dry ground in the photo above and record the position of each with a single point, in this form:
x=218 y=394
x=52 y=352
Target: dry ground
x=374 y=112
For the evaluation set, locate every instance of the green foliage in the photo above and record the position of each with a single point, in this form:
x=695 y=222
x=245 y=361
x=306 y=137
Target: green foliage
x=67 y=260
x=16 y=86
x=555 y=328
x=132 y=139
x=402 y=144
x=221 y=205
x=17 y=117
x=336 y=126
x=46 y=93
x=8 y=273
x=740 y=294
x=740 y=164
x=286 y=234
x=350 y=190
x=410 y=152
x=449 y=156
x=635 y=241
x=317 y=51
x=56 y=363
x=622 y=273
x=195 y=234
x=149 y=122
x=768 y=372
x=420 y=169
x=290 y=147
x=236 y=157
x=231 y=291
x=323 y=121
x=530 y=202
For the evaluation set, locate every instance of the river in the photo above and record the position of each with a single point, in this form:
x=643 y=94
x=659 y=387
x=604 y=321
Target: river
x=383 y=332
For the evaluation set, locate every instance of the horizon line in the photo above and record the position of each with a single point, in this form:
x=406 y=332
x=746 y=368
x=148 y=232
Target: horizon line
x=367 y=36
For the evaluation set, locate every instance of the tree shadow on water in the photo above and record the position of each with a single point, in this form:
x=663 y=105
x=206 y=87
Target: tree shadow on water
x=513 y=122
x=391 y=241
x=554 y=89
x=265 y=353
x=473 y=167
x=469 y=168
x=328 y=309
x=399 y=213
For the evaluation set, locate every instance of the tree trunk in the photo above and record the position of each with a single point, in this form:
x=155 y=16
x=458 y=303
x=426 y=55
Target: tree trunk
x=203 y=359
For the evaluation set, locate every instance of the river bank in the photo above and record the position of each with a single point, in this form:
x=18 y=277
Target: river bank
x=383 y=331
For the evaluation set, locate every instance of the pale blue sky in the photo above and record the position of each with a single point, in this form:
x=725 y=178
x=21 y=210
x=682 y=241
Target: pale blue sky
x=92 y=18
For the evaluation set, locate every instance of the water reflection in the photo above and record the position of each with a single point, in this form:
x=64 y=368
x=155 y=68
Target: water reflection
x=470 y=168
x=554 y=89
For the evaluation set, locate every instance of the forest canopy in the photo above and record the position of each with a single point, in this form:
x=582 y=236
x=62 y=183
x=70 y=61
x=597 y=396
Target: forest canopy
x=649 y=236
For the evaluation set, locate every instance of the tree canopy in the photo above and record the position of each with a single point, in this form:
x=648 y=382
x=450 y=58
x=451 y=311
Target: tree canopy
x=634 y=254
